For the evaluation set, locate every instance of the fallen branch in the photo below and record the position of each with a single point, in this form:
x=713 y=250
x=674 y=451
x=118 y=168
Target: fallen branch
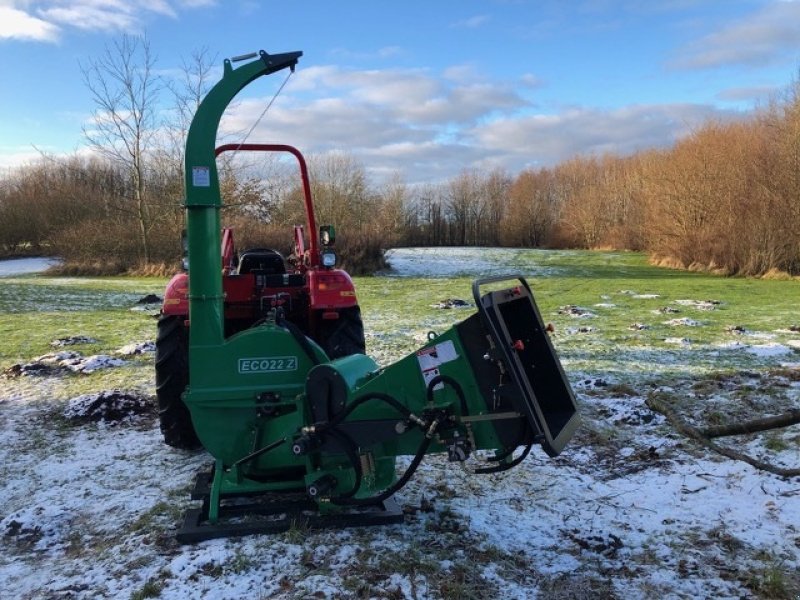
x=785 y=420
x=692 y=432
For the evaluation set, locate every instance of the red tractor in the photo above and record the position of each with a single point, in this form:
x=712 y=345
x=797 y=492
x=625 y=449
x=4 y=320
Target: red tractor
x=304 y=293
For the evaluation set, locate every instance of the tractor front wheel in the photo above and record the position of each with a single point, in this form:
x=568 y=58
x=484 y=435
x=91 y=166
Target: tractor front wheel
x=343 y=336
x=172 y=377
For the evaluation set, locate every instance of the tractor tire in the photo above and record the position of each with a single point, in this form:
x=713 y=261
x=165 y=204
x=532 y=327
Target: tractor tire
x=345 y=335
x=172 y=377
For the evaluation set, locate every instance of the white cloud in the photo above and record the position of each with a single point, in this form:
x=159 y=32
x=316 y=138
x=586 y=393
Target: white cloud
x=380 y=53
x=462 y=73
x=92 y=18
x=416 y=97
x=19 y=25
x=768 y=35
x=757 y=93
x=11 y=158
x=472 y=22
x=44 y=20
x=429 y=128
x=549 y=139
x=530 y=80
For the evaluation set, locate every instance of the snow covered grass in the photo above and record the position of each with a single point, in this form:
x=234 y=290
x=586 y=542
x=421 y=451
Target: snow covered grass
x=631 y=509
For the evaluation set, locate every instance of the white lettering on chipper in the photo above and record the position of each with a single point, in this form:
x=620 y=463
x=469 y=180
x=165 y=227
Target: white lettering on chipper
x=267 y=364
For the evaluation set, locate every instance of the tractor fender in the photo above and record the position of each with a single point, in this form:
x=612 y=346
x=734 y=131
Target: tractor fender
x=176 y=296
x=331 y=289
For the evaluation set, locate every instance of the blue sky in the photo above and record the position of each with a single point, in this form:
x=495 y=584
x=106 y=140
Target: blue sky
x=425 y=89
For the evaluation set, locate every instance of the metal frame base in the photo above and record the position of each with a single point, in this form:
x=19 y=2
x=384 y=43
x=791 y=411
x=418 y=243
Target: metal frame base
x=273 y=512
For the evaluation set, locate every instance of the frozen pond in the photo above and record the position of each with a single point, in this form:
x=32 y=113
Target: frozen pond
x=23 y=266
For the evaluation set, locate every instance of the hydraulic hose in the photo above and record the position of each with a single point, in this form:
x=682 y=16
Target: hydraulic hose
x=505 y=466
x=392 y=489
x=338 y=418
x=501 y=456
x=462 y=400
x=349 y=447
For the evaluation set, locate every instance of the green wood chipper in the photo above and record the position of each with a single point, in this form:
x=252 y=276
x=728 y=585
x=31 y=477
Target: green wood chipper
x=261 y=360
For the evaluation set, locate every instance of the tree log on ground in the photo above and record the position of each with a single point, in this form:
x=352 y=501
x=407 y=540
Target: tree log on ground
x=683 y=427
x=785 y=420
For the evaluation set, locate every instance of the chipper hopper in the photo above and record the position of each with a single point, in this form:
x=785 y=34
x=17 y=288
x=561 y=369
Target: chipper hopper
x=299 y=436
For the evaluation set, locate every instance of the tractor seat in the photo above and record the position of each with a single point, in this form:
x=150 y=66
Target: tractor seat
x=261 y=261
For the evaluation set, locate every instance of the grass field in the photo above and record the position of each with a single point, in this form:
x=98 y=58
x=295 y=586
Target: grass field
x=631 y=509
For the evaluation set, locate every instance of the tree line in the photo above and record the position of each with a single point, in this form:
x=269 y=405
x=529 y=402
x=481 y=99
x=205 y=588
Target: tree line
x=725 y=198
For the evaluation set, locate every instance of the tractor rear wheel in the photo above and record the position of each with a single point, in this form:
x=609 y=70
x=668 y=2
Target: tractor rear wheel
x=172 y=377
x=343 y=336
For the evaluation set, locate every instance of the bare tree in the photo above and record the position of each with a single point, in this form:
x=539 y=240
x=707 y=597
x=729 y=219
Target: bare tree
x=530 y=214
x=465 y=205
x=124 y=89
x=339 y=187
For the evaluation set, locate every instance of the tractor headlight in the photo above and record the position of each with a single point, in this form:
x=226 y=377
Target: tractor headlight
x=328 y=258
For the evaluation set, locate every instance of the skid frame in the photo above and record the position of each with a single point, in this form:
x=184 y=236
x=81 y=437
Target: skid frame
x=272 y=512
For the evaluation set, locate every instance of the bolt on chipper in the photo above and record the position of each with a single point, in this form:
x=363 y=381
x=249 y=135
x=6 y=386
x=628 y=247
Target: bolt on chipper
x=261 y=360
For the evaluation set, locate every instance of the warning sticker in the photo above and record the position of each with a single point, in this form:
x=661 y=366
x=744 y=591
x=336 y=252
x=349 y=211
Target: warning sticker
x=428 y=377
x=430 y=358
x=201 y=177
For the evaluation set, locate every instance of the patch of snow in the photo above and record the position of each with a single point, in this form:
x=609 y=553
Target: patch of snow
x=765 y=350
x=700 y=304
x=40 y=527
x=90 y=364
x=75 y=362
x=735 y=345
x=576 y=312
x=574 y=330
x=461 y=262
x=58 y=357
x=684 y=321
x=136 y=348
x=150 y=309
x=452 y=303
x=794 y=329
x=678 y=341
x=73 y=340
x=646 y=296
x=591 y=383
x=762 y=335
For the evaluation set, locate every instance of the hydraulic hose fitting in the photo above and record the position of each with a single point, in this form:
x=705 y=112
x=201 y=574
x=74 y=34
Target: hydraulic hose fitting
x=417 y=421
x=305 y=444
x=321 y=486
x=459 y=448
